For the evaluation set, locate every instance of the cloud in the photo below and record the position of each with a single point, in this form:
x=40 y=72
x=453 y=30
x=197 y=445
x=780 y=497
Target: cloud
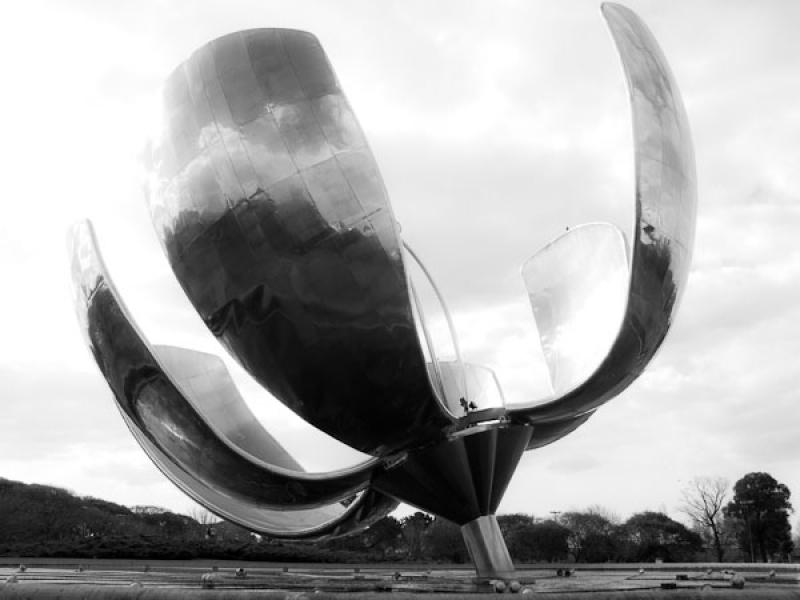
x=496 y=125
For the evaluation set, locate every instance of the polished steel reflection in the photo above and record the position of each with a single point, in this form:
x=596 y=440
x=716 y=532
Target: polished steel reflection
x=491 y=559
x=577 y=289
x=276 y=222
x=169 y=413
x=274 y=218
x=666 y=200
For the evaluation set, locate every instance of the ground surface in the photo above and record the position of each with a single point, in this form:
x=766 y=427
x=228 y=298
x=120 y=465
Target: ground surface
x=60 y=578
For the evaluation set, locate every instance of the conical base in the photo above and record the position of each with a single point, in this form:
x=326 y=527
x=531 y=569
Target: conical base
x=462 y=477
x=487 y=548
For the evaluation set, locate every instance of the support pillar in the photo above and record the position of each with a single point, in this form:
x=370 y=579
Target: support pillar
x=487 y=548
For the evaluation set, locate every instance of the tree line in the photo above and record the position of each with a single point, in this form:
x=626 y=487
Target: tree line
x=750 y=525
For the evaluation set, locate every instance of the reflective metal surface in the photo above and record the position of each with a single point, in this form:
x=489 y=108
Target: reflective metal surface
x=577 y=287
x=169 y=420
x=462 y=477
x=467 y=387
x=666 y=201
x=274 y=217
x=332 y=520
x=547 y=432
x=486 y=548
x=327 y=521
x=456 y=369
x=206 y=383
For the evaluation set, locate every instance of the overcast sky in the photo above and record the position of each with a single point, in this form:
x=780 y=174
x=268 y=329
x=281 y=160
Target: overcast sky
x=495 y=124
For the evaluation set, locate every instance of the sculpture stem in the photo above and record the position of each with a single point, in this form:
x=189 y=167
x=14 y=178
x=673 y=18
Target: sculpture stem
x=487 y=548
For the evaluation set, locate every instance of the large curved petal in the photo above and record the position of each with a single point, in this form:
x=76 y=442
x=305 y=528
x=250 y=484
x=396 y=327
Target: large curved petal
x=158 y=410
x=335 y=519
x=547 y=432
x=665 y=221
x=274 y=217
x=577 y=286
x=207 y=384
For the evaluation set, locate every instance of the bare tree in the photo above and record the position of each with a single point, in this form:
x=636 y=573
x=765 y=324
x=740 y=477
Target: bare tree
x=202 y=515
x=703 y=501
x=206 y=519
x=606 y=513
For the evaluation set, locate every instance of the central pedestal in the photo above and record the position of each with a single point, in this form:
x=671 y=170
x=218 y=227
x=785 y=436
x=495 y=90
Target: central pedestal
x=463 y=478
x=487 y=548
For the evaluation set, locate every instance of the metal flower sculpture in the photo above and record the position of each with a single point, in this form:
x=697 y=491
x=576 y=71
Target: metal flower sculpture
x=274 y=217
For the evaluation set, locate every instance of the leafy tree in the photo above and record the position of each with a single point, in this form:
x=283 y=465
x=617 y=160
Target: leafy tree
x=382 y=539
x=508 y=523
x=106 y=506
x=703 y=501
x=653 y=536
x=762 y=506
x=385 y=536
x=593 y=536
x=444 y=541
x=545 y=541
x=30 y=512
x=414 y=528
x=796 y=540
